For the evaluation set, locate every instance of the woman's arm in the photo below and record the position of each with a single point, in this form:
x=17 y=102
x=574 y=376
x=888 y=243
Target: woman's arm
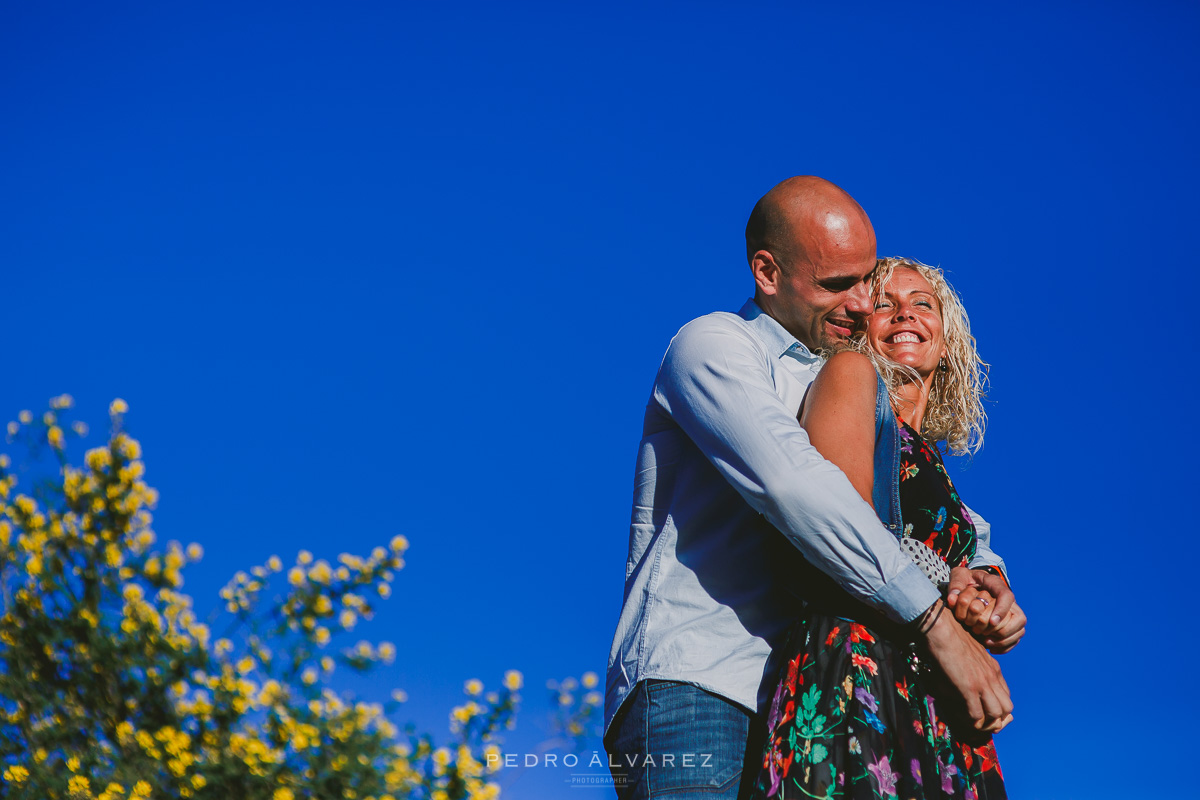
x=839 y=416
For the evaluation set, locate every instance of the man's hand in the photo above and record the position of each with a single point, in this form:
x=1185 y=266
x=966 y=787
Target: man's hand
x=999 y=639
x=973 y=673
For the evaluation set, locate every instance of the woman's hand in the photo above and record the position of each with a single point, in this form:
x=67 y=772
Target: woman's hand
x=985 y=606
x=974 y=611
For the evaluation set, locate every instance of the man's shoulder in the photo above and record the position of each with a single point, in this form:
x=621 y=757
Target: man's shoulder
x=719 y=326
x=712 y=342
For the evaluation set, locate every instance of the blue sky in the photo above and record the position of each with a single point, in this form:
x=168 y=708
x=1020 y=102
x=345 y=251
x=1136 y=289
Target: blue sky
x=382 y=268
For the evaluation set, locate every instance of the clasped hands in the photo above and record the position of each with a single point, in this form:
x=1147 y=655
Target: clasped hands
x=985 y=616
x=984 y=605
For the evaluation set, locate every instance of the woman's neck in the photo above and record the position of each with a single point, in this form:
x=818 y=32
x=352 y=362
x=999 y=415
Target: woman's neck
x=913 y=398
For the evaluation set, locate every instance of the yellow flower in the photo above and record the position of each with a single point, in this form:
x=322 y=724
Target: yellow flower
x=387 y=651
x=116 y=407
x=55 y=437
x=16 y=773
x=34 y=565
x=473 y=686
x=79 y=786
x=384 y=590
x=304 y=557
x=590 y=680
x=399 y=695
x=321 y=572
x=309 y=676
x=295 y=576
x=25 y=417
x=399 y=543
x=321 y=636
x=274 y=564
x=283 y=793
x=195 y=552
x=347 y=619
x=513 y=680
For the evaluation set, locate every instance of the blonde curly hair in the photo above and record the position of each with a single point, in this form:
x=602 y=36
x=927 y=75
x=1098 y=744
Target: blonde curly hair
x=954 y=413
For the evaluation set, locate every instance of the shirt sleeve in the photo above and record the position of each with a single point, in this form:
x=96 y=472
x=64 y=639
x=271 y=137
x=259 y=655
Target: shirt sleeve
x=985 y=558
x=715 y=382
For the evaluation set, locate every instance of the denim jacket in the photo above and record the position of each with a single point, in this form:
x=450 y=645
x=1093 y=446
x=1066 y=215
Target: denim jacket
x=885 y=495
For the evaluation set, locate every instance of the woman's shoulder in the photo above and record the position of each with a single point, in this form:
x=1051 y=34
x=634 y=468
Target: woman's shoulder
x=850 y=370
x=847 y=379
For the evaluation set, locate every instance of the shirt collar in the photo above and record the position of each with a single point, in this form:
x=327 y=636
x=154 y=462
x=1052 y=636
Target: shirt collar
x=776 y=337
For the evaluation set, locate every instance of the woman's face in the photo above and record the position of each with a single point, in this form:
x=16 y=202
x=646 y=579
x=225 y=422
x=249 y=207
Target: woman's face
x=906 y=325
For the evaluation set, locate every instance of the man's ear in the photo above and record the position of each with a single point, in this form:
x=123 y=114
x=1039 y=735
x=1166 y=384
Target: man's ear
x=766 y=272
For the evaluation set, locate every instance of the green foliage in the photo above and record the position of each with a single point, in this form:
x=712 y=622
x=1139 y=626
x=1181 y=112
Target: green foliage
x=111 y=687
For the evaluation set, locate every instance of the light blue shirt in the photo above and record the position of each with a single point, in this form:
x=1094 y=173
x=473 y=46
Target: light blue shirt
x=723 y=468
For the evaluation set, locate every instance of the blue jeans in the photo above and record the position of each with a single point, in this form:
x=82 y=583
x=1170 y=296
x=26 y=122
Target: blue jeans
x=673 y=739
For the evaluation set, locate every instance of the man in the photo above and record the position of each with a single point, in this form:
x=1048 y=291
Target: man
x=723 y=469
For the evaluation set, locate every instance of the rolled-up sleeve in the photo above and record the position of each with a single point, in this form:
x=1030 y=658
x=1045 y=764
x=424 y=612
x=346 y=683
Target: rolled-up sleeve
x=715 y=382
x=985 y=557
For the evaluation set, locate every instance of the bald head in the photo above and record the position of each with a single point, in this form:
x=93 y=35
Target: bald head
x=811 y=250
x=805 y=216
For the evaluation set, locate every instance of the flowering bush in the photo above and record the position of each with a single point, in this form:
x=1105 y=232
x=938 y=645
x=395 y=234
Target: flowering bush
x=111 y=687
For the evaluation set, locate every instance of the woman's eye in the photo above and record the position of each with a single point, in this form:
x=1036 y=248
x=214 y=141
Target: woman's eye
x=925 y=303
x=882 y=305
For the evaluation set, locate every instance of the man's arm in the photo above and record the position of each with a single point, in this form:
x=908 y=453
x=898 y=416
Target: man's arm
x=715 y=383
x=1001 y=623
x=984 y=555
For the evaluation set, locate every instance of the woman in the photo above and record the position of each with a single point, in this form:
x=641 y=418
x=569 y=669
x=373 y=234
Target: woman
x=858 y=711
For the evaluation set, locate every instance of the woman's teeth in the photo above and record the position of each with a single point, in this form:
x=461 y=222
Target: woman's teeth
x=905 y=337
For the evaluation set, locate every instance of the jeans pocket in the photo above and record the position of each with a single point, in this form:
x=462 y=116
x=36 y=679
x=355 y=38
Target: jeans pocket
x=696 y=741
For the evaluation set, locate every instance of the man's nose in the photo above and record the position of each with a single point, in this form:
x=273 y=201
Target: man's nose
x=859 y=300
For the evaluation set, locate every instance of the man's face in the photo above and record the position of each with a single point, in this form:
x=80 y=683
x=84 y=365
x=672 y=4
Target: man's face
x=821 y=301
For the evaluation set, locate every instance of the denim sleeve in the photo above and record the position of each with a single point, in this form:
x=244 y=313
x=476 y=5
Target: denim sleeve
x=715 y=382
x=984 y=556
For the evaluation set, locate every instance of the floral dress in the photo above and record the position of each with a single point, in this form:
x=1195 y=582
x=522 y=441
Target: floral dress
x=859 y=711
